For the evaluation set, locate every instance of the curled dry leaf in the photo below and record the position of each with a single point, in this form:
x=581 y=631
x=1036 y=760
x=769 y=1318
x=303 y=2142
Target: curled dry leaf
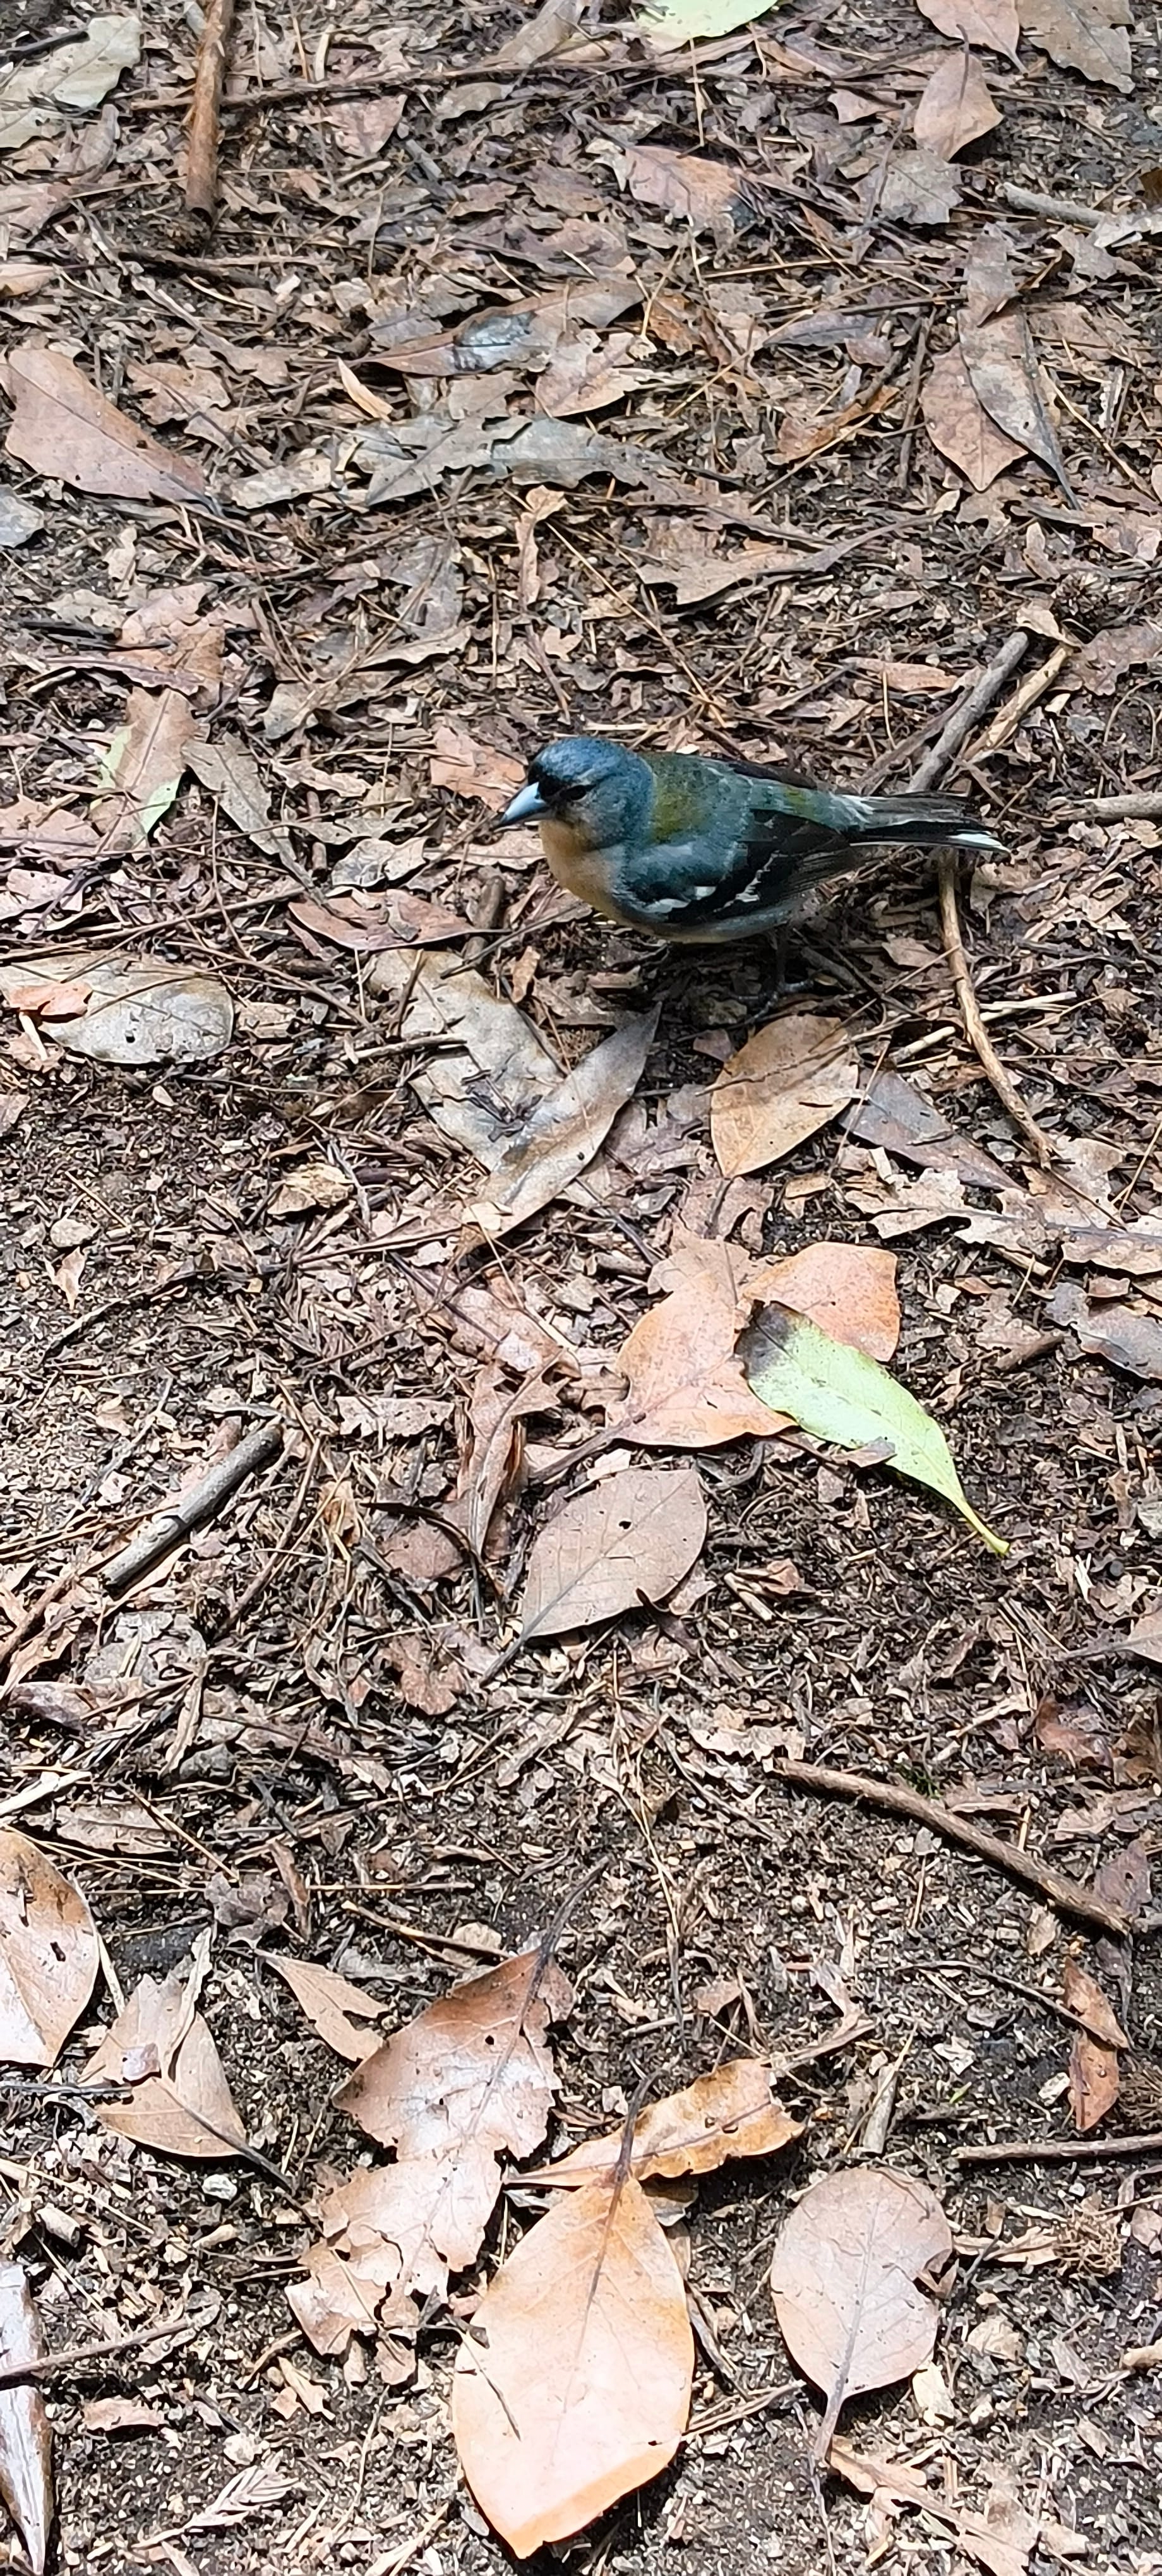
x=62 y=426
x=440 y=999
x=844 y=2282
x=160 y=2047
x=573 y=2381
x=956 y=107
x=622 y=1542
x=25 y=2435
x=333 y=2006
x=686 y=1384
x=1005 y=376
x=710 y=2122
x=788 y=1080
x=1094 y=2081
x=958 y=424
x=563 y=1132
x=48 y=1954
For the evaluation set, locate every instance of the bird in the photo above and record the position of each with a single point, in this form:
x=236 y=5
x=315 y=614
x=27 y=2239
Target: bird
x=697 y=848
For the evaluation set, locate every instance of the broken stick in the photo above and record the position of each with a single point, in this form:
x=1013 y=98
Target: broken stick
x=185 y=1513
x=205 y=111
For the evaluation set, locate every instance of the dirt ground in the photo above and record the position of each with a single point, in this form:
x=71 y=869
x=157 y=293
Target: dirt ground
x=304 y=1729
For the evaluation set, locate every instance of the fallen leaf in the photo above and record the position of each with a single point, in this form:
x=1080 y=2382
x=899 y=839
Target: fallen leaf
x=398 y=920
x=687 y=557
x=1005 y=376
x=497 y=1412
x=1083 y=36
x=667 y=24
x=572 y=2384
x=333 y=2006
x=544 y=36
x=1115 y=1333
x=26 y=2483
x=49 y=1953
x=479 y=1036
x=960 y=427
x=956 y=107
x=309 y=1187
x=64 y=428
x=803 y=435
x=69 y=1275
x=893 y=2482
x=707 y=194
x=1094 y=2081
x=720 y=2116
x=563 y=1132
x=139 y=1011
x=473 y=768
x=232 y=774
x=120 y=2415
x=628 y=1539
x=989 y=281
x=1102 y=664
x=143 y=768
x=1145 y=1637
x=791 y=1078
x=19 y=520
x=1082 y=1995
x=160 y=2046
x=917 y=188
x=587 y=373
x=253 y=2490
x=844 y=2281
x=838 y=1394
x=476 y=2065
x=78 y=75
x=991 y=23
x=686 y=1384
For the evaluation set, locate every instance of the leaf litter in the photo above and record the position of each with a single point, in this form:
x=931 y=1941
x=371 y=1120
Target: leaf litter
x=337 y=742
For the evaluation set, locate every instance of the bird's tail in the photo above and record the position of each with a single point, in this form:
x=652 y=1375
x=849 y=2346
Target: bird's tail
x=920 y=822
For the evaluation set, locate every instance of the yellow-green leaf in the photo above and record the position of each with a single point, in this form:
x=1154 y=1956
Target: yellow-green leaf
x=838 y=1394
x=666 y=24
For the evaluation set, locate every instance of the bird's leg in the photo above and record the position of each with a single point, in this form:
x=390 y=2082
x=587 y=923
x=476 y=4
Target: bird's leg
x=779 y=943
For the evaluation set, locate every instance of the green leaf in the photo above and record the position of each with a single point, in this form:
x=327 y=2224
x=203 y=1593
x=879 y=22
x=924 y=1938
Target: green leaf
x=838 y=1394
x=666 y=24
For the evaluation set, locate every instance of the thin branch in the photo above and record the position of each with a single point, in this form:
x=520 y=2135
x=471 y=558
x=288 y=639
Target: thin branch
x=1066 y=1894
x=183 y=1515
x=205 y=112
x=1059 y=2151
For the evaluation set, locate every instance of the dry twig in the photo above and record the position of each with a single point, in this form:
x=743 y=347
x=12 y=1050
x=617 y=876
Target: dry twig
x=206 y=1497
x=205 y=111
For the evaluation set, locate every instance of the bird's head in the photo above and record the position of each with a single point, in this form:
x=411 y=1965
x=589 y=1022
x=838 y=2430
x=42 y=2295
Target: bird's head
x=597 y=792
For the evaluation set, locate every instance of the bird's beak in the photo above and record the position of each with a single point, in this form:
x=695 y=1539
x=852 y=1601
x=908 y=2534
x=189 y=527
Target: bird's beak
x=527 y=806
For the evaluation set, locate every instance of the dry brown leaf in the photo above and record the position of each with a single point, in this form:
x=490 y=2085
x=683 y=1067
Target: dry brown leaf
x=333 y=2006
x=392 y=2231
x=1119 y=1334
x=573 y=2381
x=63 y=427
x=1082 y=1995
x=395 y=920
x=958 y=424
x=989 y=281
x=956 y=107
x=543 y=36
x=143 y=768
x=1145 y=1637
x=498 y=1410
x=720 y=2116
x=230 y=772
x=439 y=998
x=563 y=1132
x=991 y=23
x=707 y=194
x=800 y=437
x=473 y=768
x=587 y=373
x=139 y=1010
x=686 y=1387
x=475 y=2066
x=1102 y=664
x=1004 y=374
x=49 y=1953
x=1094 y=2081
x=310 y=1186
x=1086 y=36
x=622 y=1542
x=160 y=2046
x=918 y=188
x=844 y=2281
x=789 y=1079
x=25 y=2435
x=120 y=2415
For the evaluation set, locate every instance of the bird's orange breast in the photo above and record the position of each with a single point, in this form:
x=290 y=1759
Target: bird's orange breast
x=577 y=868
